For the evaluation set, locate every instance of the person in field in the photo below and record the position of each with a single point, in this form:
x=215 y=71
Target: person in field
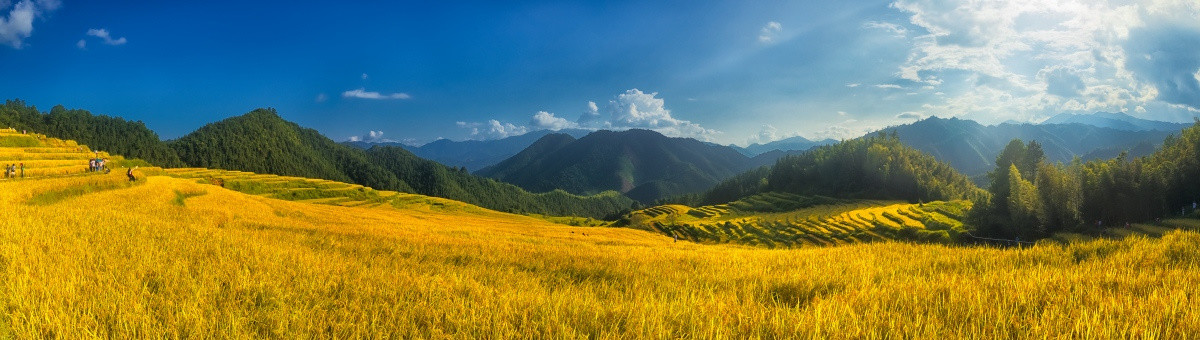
x=130 y=174
x=91 y=165
x=22 y=170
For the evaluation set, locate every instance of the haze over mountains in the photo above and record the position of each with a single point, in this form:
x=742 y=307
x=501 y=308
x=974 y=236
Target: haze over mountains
x=972 y=147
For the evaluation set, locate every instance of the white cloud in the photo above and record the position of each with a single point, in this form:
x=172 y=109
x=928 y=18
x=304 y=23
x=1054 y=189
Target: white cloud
x=853 y=85
x=635 y=109
x=364 y=94
x=81 y=44
x=547 y=121
x=910 y=115
x=888 y=86
x=769 y=32
x=371 y=137
x=106 y=37
x=1028 y=59
x=493 y=129
x=321 y=98
x=18 y=24
x=896 y=30
x=364 y=76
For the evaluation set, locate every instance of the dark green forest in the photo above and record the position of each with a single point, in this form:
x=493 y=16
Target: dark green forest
x=131 y=139
x=1034 y=198
x=873 y=167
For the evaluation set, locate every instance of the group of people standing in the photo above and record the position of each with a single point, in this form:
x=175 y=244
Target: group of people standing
x=97 y=164
x=11 y=170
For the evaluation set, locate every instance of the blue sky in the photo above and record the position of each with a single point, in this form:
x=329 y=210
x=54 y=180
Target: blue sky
x=729 y=72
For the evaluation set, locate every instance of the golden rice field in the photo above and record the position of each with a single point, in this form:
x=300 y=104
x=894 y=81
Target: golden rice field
x=171 y=257
x=767 y=220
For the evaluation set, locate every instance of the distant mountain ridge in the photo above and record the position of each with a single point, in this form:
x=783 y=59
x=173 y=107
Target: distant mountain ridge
x=472 y=154
x=787 y=144
x=971 y=147
x=1117 y=121
x=642 y=164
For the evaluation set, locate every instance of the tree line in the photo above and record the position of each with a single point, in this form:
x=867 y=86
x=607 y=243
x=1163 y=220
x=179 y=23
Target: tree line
x=1032 y=198
x=131 y=139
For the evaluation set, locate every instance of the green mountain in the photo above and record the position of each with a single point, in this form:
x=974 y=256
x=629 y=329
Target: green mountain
x=131 y=139
x=877 y=166
x=262 y=142
x=642 y=164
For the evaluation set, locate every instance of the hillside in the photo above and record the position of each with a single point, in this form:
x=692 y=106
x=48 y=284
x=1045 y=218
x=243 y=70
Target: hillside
x=972 y=148
x=473 y=154
x=112 y=134
x=877 y=167
x=262 y=142
x=642 y=164
x=109 y=261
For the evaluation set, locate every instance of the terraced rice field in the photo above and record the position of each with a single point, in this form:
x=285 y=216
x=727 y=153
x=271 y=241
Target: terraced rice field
x=316 y=191
x=777 y=220
x=44 y=156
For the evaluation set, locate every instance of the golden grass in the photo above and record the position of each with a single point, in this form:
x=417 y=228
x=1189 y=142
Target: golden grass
x=133 y=263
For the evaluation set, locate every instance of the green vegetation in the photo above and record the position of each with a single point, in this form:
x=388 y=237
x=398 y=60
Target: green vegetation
x=873 y=167
x=1032 y=198
x=433 y=179
x=115 y=135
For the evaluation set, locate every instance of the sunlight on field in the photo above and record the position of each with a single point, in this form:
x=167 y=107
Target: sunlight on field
x=141 y=261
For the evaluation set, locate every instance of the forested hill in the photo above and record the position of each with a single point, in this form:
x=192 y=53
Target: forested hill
x=112 y=134
x=876 y=166
x=643 y=164
x=262 y=142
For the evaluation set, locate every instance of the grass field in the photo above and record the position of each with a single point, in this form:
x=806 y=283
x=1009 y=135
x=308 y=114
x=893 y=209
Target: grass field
x=172 y=257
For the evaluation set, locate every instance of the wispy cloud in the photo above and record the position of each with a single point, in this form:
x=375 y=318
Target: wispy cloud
x=896 y=30
x=362 y=93
x=769 y=32
x=105 y=37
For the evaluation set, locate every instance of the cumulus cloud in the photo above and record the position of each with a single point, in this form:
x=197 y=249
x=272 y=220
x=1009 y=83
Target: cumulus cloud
x=632 y=109
x=769 y=32
x=18 y=23
x=493 y=129
x=364 y=94
x=635 y=109
x=547 y=121
x=371 y=137
x=106 y=37
x=1028 y=59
